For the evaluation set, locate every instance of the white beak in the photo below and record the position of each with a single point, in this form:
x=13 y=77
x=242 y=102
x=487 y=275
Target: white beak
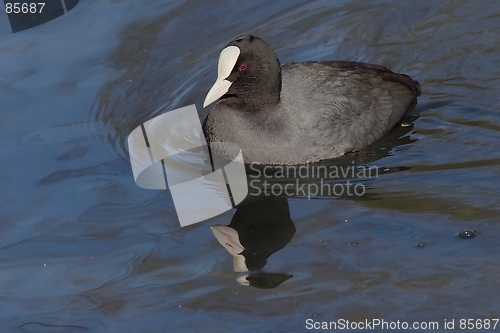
x=228 y=237
x=227 y=59
x=219 y=88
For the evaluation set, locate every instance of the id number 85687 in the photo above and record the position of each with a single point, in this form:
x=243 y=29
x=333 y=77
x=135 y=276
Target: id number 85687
x=24 y=8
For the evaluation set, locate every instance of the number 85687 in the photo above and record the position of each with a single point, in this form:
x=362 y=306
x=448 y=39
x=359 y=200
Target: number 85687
x=24 y=8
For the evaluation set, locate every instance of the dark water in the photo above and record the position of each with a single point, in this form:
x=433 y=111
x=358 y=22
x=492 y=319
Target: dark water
x=84 y=249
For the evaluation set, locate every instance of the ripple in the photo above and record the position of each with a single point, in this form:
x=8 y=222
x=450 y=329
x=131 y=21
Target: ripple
x=61 y=134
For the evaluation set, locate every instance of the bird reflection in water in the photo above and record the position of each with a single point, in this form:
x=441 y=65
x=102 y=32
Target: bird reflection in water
x=257 y=230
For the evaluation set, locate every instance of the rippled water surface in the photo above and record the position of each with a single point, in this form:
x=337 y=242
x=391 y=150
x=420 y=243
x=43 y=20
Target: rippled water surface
x=82 y=248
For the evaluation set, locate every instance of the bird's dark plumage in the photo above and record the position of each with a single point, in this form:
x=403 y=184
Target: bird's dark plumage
x=304 y=112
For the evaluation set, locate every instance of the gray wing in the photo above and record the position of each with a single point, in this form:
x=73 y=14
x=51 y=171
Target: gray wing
x=358 y=103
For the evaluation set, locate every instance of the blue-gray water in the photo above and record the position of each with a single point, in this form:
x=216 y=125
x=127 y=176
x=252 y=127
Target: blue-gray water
x=83 y=249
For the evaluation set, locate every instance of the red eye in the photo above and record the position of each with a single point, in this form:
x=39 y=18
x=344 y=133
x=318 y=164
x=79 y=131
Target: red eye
x=243 y=67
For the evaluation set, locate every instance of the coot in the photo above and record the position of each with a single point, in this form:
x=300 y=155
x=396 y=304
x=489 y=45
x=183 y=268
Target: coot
x=300 y=112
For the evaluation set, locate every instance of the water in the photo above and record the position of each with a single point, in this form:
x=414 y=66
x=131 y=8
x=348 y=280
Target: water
x=84 y=249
